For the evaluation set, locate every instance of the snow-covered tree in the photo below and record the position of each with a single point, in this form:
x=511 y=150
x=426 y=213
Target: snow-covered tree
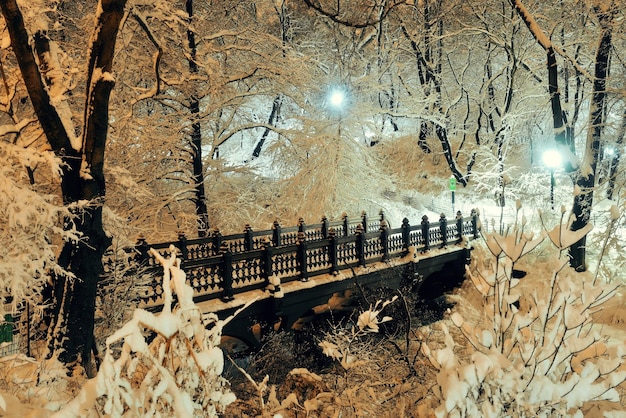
x=81 y=150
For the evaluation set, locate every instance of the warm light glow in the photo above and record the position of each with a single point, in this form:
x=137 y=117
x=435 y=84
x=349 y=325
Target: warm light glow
x=552 y=158
x=337 y=98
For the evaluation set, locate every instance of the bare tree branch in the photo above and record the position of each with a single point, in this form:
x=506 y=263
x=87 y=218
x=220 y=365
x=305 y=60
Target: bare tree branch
x=336 y=15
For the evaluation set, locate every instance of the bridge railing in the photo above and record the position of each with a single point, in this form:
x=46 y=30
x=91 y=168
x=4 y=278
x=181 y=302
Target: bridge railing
x=223 y=266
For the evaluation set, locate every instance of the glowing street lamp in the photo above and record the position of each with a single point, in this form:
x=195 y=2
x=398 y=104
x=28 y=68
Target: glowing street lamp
x=337 y=99
x=552 y=159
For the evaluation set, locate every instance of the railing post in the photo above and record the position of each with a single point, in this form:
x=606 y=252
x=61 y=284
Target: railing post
x=360 y=244
x=324 y=227
x=248 y=243
x=268 y=252
x=227 y=272
x=443 y=230
x=332 y=251
x=301 y=257
x=346 y=224
x=425 y=234
x=384 y=239
x=459 y=227
x=364 y=221
x=276 y=232
x=182 y=245
x=142 y=249
x=217 y=241
x=475 y=223
x=406 y=231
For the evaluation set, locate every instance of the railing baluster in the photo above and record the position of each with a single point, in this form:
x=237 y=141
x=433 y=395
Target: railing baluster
x=384 y=239
x=475 y=223
x=267 y=261
x=248 y=243
x=217 y=241
x=301 y=256
x=227 y=272
x=182 y=246
x=324 y=227
x=332 y=251
x=364 y=221
x=360 y=244
x=276 y=234
x=425 y=234
x=443 y=230
x=459 y=227
x=406 y=234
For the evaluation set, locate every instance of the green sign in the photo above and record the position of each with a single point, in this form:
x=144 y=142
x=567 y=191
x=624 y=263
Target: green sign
x=6 y=329
x=452 y=183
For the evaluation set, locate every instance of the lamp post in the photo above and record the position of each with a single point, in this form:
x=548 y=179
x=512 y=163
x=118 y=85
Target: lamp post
x=552 y=160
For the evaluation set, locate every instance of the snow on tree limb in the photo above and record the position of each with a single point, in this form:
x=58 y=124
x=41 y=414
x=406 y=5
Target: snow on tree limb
x=47 y=114
x=532 y=24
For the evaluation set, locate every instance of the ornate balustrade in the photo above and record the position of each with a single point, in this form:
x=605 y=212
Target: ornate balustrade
x=222 y=266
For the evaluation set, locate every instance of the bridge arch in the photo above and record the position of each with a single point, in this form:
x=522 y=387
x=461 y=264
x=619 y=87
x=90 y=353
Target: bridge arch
x=435 y=275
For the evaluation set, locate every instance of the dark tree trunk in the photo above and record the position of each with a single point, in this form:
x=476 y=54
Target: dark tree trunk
x=423 y=136
x=558 y=119
x=616 y=157
x=586 y=176
x=560 y=130
x=429 y=76
x=271 y=121
x=70 y=334
x=196 y=138
x=283 y=18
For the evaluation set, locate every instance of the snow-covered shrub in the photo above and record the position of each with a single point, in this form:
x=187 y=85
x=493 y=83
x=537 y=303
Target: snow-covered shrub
x=32 y=225
x=346 y=344
x=607 y=243
x=177 y=373
x=535 y=352
x=124 y=281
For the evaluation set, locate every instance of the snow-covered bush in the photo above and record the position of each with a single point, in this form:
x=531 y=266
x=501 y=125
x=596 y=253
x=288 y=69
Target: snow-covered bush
x=607 y=243
x=32 y=225
x=535 y=352
x=346 y=345
x=177 y=373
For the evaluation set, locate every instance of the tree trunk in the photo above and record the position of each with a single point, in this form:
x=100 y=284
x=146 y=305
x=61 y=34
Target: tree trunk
x=586 y=175
x=196 y=138
x=560 y=130
x=70 y=334
x=283 y=17
x=615 y=160
x=430 y=80
x=271 y=121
